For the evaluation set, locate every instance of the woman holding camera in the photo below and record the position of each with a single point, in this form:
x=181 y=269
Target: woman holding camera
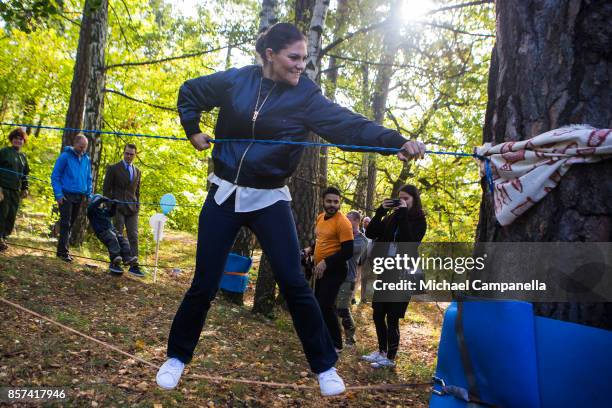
x=405 y=224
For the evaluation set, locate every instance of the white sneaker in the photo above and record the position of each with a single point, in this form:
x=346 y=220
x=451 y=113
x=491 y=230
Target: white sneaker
x=169 y=373
x=331 y=383
x=374 y=356
x=383 y=363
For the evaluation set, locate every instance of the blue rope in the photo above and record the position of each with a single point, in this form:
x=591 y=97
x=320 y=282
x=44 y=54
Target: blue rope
x=117 y=201
x=99 y=132
x=486 y=160
x=287 y=142
x=489 y=175
x=344 y=146
x=488 y=172
x=23 y=175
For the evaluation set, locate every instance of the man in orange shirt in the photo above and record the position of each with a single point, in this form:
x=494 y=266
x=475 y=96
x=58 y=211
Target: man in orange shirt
x=333 y=247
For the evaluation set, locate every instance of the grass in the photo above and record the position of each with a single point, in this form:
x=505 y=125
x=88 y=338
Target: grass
x=135 y=316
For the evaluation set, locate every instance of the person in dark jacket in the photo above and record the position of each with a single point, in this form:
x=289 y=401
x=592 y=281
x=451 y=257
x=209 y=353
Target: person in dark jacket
x=14 y=172
x=72 y=184
x=122 y=182
x=274 y=102
x=100 y=212
x=404 y=227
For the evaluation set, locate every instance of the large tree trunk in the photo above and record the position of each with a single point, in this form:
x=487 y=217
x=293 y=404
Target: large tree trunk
x=303 y=14
x=265 y=287
x=243 y=244
x=342 y=12
x=306 y=195
x=94 y=102
x=80 y=77
x=267 y=15
x=390 y=45
x=361 y=190
x=551 y=66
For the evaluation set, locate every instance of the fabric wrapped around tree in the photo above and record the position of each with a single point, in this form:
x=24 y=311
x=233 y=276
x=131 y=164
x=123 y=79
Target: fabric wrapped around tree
x=525 y=171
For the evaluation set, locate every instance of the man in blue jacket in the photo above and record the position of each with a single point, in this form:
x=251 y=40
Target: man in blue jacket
x=71 y=181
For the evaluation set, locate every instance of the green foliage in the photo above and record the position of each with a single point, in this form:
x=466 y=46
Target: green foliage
x=29 y=15
x=438 y=95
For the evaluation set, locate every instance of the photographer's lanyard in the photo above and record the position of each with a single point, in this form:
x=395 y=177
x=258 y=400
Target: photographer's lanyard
x=393 y=245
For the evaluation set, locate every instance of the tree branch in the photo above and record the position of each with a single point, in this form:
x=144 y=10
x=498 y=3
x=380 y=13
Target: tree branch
x=62 y=15
x=127 y=43
x=166 y=108
x=456 y=30
x=184 y=56
x=375 y=26
x=374 y=62
x=340 y=40
x=458 y=6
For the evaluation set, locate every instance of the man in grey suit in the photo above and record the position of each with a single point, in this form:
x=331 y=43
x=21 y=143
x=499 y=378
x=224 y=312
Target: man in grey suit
x=122 y=183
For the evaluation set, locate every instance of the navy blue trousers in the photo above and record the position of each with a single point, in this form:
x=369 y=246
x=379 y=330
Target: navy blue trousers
x=115 y=243
x=274 y=227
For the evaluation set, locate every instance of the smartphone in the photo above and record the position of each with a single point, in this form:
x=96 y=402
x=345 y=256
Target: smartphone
x=396 y=202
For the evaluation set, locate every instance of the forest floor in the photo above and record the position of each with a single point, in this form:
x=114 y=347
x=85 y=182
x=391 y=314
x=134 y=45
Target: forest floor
x=135 y=315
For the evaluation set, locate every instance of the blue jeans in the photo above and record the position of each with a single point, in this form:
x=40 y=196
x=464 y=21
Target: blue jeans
x=275 y=229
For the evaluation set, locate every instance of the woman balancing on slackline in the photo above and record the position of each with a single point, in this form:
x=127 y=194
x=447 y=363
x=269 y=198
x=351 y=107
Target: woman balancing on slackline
x=273 y=102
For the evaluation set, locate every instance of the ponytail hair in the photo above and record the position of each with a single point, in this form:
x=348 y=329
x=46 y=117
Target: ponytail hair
x=277 y=37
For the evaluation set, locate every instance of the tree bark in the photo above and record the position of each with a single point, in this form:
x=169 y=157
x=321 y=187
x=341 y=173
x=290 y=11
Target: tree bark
x=265 y=287
x=306 y=195
x=361 y=190
x=80 y=77
x=551 y=66
x=342 y=12
x=303 y=13
x=243 y=244
x=94 y=102
x=265 y=290
x=390 y=46
x=267 y=15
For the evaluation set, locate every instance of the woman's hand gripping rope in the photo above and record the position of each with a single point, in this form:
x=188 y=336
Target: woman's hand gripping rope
x=411 y=150
x=201 y=141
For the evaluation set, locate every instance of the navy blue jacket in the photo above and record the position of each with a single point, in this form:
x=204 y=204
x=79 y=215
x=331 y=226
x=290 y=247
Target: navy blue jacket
x=289 y=113
x=100 y=218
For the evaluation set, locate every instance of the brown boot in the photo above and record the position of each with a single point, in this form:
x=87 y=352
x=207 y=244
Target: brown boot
x=3 y=245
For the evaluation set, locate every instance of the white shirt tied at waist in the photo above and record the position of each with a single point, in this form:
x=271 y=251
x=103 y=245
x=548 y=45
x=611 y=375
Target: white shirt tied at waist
x=248 y=198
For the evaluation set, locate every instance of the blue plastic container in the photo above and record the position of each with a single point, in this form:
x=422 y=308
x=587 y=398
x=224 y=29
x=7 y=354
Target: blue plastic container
x=236 y=274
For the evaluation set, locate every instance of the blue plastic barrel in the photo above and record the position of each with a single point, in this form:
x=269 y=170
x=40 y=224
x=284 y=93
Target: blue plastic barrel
x=236 y=273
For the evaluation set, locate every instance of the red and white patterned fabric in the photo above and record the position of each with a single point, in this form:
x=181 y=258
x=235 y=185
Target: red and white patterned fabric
x=525 y=171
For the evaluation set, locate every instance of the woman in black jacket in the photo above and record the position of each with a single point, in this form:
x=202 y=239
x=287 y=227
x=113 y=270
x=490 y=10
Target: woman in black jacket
x=404 y=228
x=14 y=170
x=271 y=102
